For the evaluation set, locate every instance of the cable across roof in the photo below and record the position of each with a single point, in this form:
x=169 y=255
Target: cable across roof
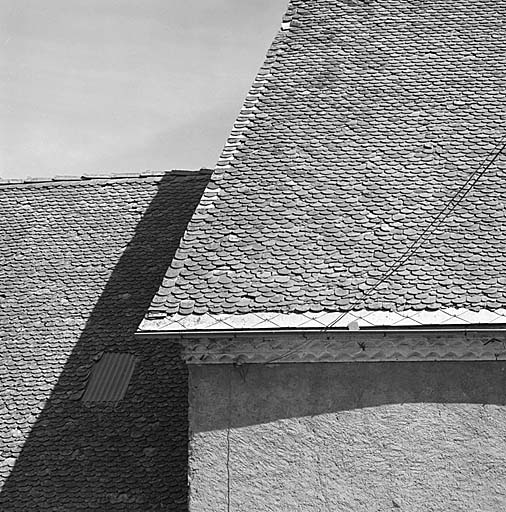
x=367 y=126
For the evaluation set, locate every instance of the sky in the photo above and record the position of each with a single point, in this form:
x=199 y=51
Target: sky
x=104 y=86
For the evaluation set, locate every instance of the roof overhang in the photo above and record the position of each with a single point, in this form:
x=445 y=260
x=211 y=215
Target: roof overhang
x=448 y=319
x=297 y=346
x=367 y=336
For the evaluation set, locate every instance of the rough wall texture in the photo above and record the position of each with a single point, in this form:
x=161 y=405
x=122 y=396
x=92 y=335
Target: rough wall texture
x=348 y=437
x=79 y=264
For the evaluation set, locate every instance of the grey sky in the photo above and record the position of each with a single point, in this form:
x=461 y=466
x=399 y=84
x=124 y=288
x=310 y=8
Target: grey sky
x=124 y=85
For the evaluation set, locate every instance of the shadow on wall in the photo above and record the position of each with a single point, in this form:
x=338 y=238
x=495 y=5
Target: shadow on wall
x=258 y=394
x=131 y=455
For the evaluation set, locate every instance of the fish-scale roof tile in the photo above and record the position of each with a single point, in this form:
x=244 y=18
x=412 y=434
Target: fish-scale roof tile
x=80 y=260
x=364 y=120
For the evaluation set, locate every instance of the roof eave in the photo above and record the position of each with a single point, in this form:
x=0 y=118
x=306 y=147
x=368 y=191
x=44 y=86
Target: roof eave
x=491 y=328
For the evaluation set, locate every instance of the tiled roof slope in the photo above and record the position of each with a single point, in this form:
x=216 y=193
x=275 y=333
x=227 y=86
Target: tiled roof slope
x=364 y=120
x=80 y=261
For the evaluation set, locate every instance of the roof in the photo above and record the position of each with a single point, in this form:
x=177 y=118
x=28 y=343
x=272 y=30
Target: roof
x=364 y=120
x=80 y=261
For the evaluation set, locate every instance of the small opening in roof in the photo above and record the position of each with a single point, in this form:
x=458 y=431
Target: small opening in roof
x=110 y=377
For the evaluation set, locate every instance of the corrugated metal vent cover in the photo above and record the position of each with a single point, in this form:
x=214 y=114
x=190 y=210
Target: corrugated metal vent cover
x=110 y=377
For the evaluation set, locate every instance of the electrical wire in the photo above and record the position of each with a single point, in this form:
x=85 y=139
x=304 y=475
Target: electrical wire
x=450 y=206
x=298 y=348
x=229 y=425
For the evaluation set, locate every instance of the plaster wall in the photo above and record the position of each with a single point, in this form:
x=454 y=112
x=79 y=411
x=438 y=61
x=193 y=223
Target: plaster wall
x=415 y=436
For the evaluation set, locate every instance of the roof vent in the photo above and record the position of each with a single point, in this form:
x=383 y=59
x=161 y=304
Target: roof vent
x=110 y=377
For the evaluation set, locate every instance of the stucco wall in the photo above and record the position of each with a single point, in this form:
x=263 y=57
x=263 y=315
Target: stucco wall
x=348 y=437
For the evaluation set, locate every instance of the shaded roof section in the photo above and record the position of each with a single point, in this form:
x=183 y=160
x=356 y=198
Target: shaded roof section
x=80 y=261
x=363 y=121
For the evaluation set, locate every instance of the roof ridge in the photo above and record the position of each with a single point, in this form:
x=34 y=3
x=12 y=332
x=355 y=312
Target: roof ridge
x=93 y=177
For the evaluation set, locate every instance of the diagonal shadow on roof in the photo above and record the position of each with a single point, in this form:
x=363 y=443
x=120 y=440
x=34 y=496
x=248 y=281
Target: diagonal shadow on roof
x=107 y=456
